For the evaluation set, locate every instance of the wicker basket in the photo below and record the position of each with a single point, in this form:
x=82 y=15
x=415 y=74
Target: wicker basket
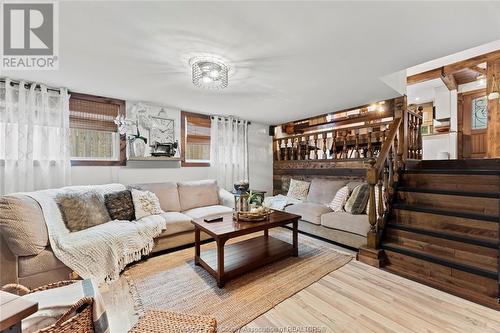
x=78 y=319
x=158 y=321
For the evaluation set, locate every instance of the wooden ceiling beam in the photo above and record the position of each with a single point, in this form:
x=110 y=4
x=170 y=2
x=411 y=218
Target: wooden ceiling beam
x=449 y=81
x=424 y=76
x=468 y=63
x=478 y=69
x=452 y=68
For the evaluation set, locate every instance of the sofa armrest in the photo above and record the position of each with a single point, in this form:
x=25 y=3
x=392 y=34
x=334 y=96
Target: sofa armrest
x=8 y=264
x=226 y=198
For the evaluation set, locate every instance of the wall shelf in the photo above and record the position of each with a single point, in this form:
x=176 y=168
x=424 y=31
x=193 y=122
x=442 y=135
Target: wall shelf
x=153 y=158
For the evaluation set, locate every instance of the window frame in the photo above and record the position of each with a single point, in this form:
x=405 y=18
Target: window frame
x=184 y=163
x=122 y=161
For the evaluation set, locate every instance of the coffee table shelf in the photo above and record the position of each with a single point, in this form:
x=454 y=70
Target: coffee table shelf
x=236 y=258
x=247 y=255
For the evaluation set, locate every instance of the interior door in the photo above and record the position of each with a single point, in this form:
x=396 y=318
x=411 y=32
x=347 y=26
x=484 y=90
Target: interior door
x=474 y=123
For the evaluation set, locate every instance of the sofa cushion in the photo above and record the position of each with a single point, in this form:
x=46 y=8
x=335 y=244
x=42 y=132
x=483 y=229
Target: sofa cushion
x=120 y=205
x=82 y=209
x=166 y=192
x=22 y=225
x=199 y=212
x=198 y=193
x=310 y=211
x=356 y=204
x=356 y=224
x=176 y=223
x=323 y=191
x=352 y=185
x=43 y=262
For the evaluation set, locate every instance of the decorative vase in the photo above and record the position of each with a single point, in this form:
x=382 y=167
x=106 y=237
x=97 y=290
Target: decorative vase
x=139 y=147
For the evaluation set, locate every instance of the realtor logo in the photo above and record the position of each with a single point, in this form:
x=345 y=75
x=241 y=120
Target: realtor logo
x=30 y=36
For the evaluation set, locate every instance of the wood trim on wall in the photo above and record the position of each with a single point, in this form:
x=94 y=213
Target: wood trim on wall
x=183 y=140
x=123 y=139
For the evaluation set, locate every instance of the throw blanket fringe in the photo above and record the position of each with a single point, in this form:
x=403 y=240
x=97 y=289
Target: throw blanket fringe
x=100 y=252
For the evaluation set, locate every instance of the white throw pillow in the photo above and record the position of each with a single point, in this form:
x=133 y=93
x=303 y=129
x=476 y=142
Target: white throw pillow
x=338 y=202
x=298 y=189
x=146 y=203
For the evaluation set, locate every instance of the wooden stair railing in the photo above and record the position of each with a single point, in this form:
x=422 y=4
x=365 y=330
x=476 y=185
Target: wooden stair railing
x=341 y=143
x=403 y=141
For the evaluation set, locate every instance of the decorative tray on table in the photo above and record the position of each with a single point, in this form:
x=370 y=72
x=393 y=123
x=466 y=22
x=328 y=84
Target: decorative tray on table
x=257 y=215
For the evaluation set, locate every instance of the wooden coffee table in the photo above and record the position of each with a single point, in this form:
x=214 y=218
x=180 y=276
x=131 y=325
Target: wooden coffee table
x=229 y=261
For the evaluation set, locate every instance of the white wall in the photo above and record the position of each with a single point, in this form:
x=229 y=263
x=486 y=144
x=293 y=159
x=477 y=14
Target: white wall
x=260 y=167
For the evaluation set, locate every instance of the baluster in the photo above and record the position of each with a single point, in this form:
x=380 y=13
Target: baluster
x=315 y=140
x=299 y=151
x=292 y=149
x=372 y=213
x=390 y=168
x=411 y=133
x=344 y=148
x=356 y=146
x=324 y=145
x=307 y=157
x=380 y=220
x=278 y=150
x=369 y=152
x=419 y=136
x=285 y=145
x=334 y=144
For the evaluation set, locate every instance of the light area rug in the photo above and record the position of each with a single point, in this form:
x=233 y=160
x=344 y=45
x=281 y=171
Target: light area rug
x=172 y=282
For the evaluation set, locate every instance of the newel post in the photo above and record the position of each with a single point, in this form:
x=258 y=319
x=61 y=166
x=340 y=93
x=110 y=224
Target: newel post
x=372 y=179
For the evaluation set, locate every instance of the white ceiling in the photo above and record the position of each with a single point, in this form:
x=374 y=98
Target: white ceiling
x=291 y=59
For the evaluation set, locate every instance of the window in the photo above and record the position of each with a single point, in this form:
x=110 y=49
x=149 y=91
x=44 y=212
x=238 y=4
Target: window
x=480 y=113
x=195 y=139
x=94 y=136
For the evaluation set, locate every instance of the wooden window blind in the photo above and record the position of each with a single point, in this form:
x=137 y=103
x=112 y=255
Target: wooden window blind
x=93 y=115
x=94 y=135
x=195 y=150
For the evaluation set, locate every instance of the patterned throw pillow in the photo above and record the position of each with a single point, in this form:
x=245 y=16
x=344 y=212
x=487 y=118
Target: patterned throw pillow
x=120 y=205
x=146 y=203
x=356 y=204
x=337 y=204
x=82 y=210
x=298 y=189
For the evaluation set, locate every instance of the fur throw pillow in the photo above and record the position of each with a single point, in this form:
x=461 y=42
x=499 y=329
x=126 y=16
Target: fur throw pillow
x=146 y=203
x=120 y=205
x=82 y=210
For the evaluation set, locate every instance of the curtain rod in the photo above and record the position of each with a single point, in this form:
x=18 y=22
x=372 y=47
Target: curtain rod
x=234 y=120
x=28 y=85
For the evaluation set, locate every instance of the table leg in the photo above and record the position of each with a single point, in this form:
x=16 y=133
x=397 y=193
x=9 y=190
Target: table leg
x=197 y=250
x=220 y=262
x=295 y=234
x=266 y=232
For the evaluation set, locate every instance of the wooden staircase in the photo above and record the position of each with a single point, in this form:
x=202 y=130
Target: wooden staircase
x=443 y=229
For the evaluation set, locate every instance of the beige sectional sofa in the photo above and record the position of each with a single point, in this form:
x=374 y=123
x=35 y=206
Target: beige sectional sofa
x=319 y=220
x=25 y=253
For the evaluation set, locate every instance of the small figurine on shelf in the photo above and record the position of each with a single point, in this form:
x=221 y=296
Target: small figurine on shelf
x=242 y=186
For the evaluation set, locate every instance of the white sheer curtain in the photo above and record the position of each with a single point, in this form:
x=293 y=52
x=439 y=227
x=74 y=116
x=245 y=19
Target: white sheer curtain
x=229 y=150
x=34 y=137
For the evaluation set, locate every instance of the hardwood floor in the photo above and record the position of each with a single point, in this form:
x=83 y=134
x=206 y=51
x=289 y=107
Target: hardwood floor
x=355 y=298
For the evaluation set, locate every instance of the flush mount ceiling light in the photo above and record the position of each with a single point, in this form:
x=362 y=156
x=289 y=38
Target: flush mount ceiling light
x=209 y=72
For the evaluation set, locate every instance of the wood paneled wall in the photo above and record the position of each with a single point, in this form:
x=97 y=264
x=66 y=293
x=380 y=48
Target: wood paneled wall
x=493 y=133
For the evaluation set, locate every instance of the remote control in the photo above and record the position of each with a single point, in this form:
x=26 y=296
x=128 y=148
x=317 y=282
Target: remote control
x=213 y=219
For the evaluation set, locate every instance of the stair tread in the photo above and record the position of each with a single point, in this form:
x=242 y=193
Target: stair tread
x=445 y=235
x=439 y=260
x=454 y=171
x=474 y=216
x=449 y=192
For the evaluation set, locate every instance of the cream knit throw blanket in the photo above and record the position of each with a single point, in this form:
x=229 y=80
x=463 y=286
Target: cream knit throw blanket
x=100 y=252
